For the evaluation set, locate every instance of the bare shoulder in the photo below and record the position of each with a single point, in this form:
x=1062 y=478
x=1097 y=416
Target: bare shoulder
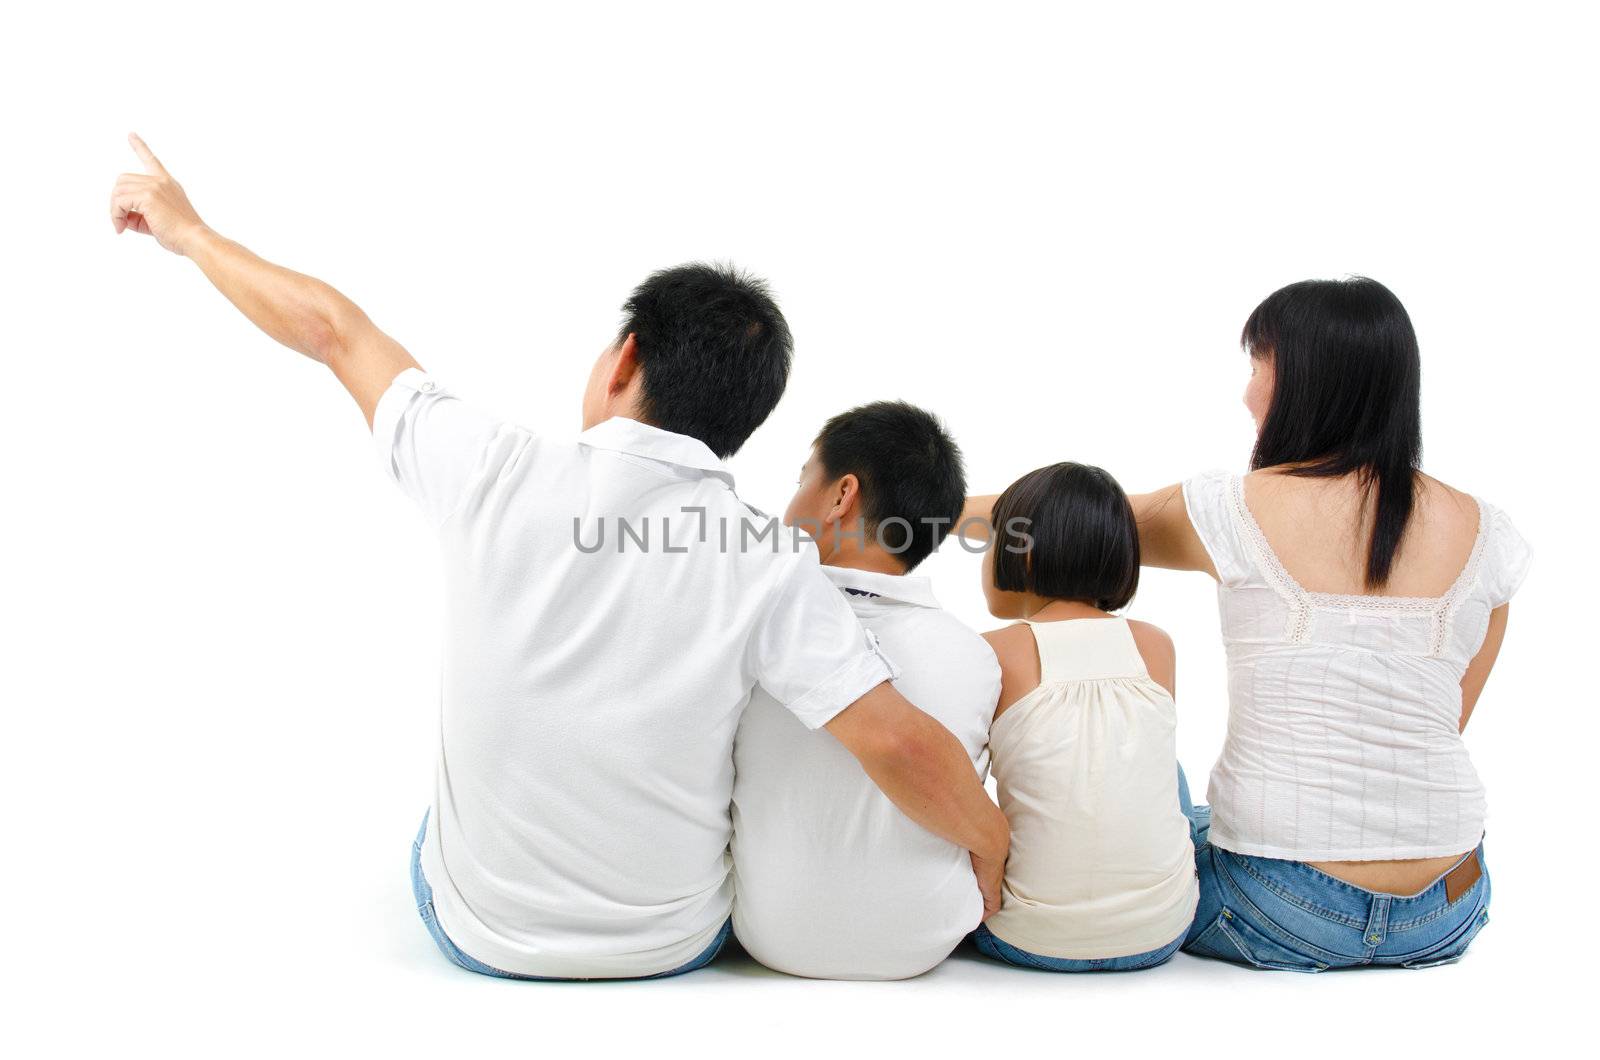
x=1018 y=655
x=1012 y=644
x=1440 y=498
x=1155 y=644
x=1438 y=539
x=1269 y=477
x=1272 y=484
x=1160 y=654
x=1438 y=486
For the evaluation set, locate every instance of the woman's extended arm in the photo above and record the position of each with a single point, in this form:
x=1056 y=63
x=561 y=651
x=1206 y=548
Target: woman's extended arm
x=974 y=522
x=1166 y=536
x=1472 y=681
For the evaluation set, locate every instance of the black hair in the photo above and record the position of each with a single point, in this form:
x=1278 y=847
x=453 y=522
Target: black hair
x=714 y=351
x=1347 y=396
x=1067 y=532
x=913 y=484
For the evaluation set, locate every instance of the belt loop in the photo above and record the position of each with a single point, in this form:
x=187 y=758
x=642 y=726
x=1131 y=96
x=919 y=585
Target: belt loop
x=1377 y=923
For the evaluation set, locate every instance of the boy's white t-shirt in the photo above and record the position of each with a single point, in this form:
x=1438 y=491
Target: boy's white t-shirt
x=589 y=696
x=832 y=880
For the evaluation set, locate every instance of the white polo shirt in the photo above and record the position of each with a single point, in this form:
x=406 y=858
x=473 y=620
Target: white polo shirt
x=832 y=880
x=592 y=684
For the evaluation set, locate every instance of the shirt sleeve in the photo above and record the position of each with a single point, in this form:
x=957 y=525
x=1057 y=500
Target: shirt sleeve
x=1209 y=500
x=434 y=445
x=809 y=650
x=1509 y=556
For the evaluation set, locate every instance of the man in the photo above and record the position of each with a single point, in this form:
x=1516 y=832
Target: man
x=832 y=881
x=580 y=821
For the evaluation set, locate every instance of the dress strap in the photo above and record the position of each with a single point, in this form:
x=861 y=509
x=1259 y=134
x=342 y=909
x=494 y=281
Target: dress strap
x=1086 y=649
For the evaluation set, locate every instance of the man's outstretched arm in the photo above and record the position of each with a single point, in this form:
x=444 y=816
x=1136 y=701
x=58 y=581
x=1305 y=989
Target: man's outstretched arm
x=303 y=313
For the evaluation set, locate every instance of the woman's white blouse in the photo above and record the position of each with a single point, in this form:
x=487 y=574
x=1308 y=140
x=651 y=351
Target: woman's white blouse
x=1344 y=739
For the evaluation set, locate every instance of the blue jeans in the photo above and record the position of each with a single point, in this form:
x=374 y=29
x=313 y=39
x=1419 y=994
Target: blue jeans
x=424 y=896
x=991 y=945
x=1286 y=915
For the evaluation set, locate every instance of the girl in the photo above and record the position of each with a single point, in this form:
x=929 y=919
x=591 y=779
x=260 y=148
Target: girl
x=1101 y=873
x=1363 y=604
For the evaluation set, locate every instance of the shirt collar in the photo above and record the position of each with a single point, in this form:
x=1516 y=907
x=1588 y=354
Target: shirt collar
x=901 y=588
x=624 y=435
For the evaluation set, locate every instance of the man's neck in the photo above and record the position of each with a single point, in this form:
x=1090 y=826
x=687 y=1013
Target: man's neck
x=877 y=560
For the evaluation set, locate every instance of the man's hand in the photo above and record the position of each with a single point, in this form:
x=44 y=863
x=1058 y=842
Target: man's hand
x=153 y=203
x=299 y=311
x=990 y=874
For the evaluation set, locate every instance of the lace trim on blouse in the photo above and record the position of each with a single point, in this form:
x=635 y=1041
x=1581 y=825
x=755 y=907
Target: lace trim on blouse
x=1302 y=602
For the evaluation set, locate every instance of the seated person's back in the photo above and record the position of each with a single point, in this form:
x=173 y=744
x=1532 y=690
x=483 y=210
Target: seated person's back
x=1084 y=740
x=581 y=815
x=605 y=625
x=832 y=880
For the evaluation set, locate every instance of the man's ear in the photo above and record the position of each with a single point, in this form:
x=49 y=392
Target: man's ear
x=625 y=368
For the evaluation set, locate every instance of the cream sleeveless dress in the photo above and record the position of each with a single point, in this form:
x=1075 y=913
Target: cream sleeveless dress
x=1101 y=861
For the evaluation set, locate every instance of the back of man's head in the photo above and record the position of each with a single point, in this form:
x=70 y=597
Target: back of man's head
x=913 y=484
x=713 y=349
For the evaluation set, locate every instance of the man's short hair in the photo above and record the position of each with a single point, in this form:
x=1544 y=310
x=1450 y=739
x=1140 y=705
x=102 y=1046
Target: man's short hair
x=714 y=351
x=1084 y=539
x=913 y=484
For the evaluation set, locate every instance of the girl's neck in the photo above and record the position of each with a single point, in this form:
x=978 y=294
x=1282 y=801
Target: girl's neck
x=1060 y=610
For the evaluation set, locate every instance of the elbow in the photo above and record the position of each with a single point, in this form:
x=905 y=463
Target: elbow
x=321 y=339
x=329 y=328
x=907 y=750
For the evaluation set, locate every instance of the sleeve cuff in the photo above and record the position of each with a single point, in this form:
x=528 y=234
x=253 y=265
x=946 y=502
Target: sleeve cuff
x=1513 y=556
x=845 y=685
x=389 y=411
x=1197 y=512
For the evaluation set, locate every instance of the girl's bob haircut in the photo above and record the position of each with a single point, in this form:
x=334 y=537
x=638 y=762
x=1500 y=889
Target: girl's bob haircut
x=1067 y=532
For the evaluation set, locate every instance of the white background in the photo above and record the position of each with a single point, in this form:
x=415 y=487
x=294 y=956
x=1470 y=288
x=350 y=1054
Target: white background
x=1046 y=224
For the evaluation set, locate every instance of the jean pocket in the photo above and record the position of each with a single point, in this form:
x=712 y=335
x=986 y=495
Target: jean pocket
x=1231 y=938
x=1452 y=950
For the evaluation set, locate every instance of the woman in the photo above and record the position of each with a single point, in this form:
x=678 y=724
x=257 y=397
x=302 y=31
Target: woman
x=1363 y=603
x=1101 y=874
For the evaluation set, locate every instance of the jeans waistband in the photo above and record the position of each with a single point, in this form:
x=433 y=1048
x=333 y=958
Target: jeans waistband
x=1334 y=899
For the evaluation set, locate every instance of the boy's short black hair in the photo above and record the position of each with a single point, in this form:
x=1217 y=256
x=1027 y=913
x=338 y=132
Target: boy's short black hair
x=714 y=351
x=1067 y=532
x=912 y=482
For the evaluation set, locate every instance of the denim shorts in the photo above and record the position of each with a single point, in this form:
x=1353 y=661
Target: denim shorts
x=1286 y=915
x=991 y=945
x=424 y=896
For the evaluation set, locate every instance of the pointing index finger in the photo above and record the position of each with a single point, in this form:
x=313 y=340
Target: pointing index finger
x=151 y=162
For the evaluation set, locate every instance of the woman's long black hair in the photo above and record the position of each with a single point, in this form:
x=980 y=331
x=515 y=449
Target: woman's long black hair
x=1347 y=396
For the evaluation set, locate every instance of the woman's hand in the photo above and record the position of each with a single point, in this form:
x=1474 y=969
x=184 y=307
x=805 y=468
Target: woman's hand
x=153 y=203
